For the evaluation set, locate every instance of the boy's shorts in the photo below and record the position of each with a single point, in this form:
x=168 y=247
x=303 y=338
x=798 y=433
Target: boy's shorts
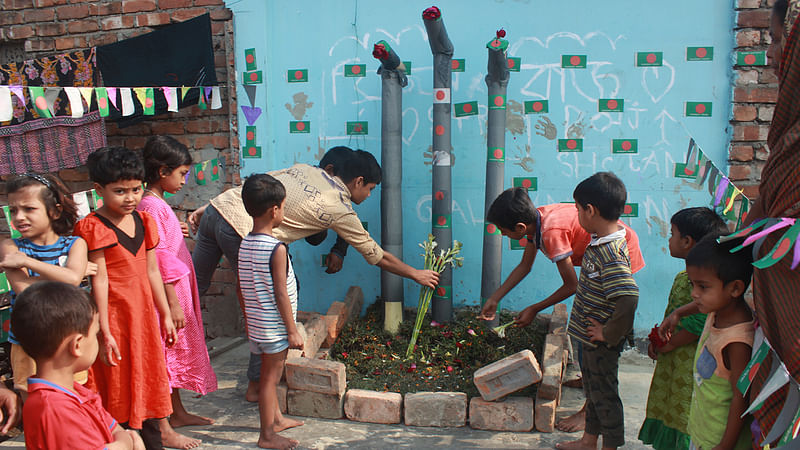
x=23 y=367
x=269 y=348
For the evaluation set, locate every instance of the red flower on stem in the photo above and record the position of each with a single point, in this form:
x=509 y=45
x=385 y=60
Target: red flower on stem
x=655 y=338
x=501 y=33
x=344 y=355
x=431 y=13
x=379 y=51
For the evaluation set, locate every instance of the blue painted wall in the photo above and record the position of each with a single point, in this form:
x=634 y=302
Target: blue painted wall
x=324 y=36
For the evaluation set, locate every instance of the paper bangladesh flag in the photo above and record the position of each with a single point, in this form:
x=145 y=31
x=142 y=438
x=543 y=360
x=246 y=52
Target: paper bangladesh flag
x=250 y=135
x=250 y=59
x=513 y=64
x=529 y=183
x=199 y=175
x=752 y=58
x=357 y=128
x=610 y=105
x=682 y=172
x=14 y=233
x=102 y=101
x=443 y=291
x=518 y=244
x=624 y=146
x=253 y=77
x=573 y=61
x=537 y=106
x=297 y=75
x=490 y=228
x=457 y=65
x=145 y=97
x=442 y=221
x=466 y=109
x=649 y=59
x=630 y=210
x=39 y=102
x=214 y=163
x=302 y=126
x=698 y=109
x=496 y=154
x=252 y=151
x=355 y=70
x=699 y=53
x=497 y=102
x=570 y=145
x=95 y=200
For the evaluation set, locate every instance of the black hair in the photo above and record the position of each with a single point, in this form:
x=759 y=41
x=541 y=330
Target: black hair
x=605 y=191
x=361 y=164
x=56 y=198
x=698 y=222
x=260 y=193
x=337 y=157
x=163 y=151
x=47 y=312
x=111 y=164
x=710 y=254
x=511 y=207
x=780 y=8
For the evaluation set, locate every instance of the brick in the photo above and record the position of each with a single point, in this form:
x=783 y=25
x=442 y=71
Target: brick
x=217 y=28
x=741 y=153
x=544 y=415
x=135 y=142
x=317 y=331
x=20 y=32
x=373 y=407
x=552 y=367
x=46 y=3
x=323 y=353
x=760 y=94
x=40 y=45
x=170 y=4
x=283 y=391
x=50 y=29
x=744 y=113
x=167 y=127
x=750 y=132
x=325 y=377
x=507 y=375
x=186 y=14
x=84 y=26
x=754 y=18
x=354 y=302
x=768 y=76
x=558 y=321
x=76 y=174
x=315 y=404
x=40 y=15
x=152 y=19
x=511 y=414
x=72 y=12
x=70 y=43
x=739 y=172
x=105 y=8
x=334 y=319
x=295 y=353
x=116 y=22
x=748 y=38
x=765 y=113
x=18 y=4
x=751 y=4
x=219 y=142
x=209 y=2
x=221 y=14
x=132 y=6
x=201 y=126
x=101 y=39
x=751 y=191
x=10 y=18
x=435 y=409
x=305 y=316
x=746 y=77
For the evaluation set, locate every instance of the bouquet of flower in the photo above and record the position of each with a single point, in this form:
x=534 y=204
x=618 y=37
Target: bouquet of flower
x=438 y=263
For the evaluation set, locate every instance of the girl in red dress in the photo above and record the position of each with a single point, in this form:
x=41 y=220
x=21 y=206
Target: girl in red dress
x=130 y=375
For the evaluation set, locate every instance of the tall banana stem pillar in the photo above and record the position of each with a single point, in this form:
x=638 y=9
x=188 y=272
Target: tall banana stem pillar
x=497 y=82
x=393 y=80
x=442 y=200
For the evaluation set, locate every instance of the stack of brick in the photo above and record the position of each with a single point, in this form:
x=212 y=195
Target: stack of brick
x=492 y=411
x=554 y=363
x=316 y=388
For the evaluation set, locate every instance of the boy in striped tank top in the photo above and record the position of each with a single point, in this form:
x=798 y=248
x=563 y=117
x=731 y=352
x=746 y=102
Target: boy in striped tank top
x=270 y=301
x=604 y=308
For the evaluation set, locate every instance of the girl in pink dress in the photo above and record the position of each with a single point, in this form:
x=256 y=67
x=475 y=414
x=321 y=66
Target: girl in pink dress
x=167 y=162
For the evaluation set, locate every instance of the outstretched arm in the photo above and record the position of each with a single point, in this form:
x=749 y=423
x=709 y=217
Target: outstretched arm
x=569 y=284
x=521 y=271
x=391 y=263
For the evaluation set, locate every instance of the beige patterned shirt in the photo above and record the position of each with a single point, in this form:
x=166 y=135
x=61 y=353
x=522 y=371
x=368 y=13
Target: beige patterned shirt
x=315 y=201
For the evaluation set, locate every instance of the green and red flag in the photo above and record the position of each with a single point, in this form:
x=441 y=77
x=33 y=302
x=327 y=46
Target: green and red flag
x=699 y=53
x=457 y=65
x=649 y=59
x=497 y=102
x=752 y=58
x=95 y=200
x=537 y=106
x=490 y=228
x=610 y=105
x=698 y=109
x=199 y=173
x=39 y=101
x=252 y=151
x=299 y=126
x=407 y=65
x=214 y=163
x=252 y=77
x=355 y=70
x=630 y=210
x=496 y=154
x=573 y=61
x=749 y=372
x=518 y=244
x=14 y=233
x=297 y=75
x=442 y=221
x=570 y=145
x=681 y=171
x=357 y=128
x=466 y=109
x=250 y=135
x=529 y=183
x=624 y=146
x=102 y=101
x=145 y=97
x=250 y=59
x=514 y=64
x=443 y=291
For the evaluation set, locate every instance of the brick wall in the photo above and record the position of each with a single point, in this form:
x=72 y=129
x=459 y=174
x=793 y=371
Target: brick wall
x=754 y=94
x=47 y=27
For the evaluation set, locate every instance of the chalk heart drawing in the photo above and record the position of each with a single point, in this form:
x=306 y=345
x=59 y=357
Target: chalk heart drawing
x=407 y=140
x=658 y=81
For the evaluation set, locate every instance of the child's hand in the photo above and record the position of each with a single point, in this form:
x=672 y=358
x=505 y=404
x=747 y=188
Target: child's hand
x=295 y=340
x=178 y=319
x=489 y=310
x=110 y=351
x=185 y=229
x=168 y=329
x=668 y=326
x=91 y=269
x=14 y=260
x=138 y=444
x=595 y=331
x=526 y=316
x=651 y=351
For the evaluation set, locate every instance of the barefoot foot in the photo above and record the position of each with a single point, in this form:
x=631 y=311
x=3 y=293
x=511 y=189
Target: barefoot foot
x=252 y=392
x=186 y=419
x=580 y=444
x=172 y=439
x=286 y=423
x=277 y=441
x=573 y=423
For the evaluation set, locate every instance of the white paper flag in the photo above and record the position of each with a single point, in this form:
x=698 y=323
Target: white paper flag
x=75 y=103
x=6 y=111
x=81 y=203
x=127 y=101
x=86 y=93
x=171 y=94
x=216 y=99
x=51 y=94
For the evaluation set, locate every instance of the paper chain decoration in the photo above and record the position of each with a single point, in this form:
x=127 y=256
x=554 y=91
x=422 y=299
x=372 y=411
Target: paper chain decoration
x=42 y=99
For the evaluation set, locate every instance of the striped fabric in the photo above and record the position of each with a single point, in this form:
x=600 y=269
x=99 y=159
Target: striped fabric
x=55 y=254
x=264 y=322
x=605 y=275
